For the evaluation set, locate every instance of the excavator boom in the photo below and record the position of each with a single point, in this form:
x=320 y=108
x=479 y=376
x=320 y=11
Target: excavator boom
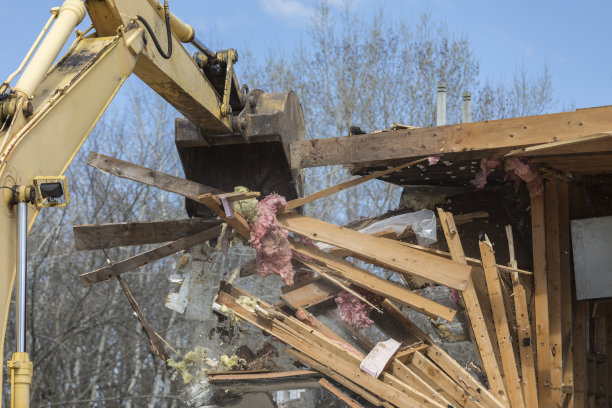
x=228 y=136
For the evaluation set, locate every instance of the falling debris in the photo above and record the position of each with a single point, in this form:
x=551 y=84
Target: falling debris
x=193 y=366
x=270 y=240
x=353 y=311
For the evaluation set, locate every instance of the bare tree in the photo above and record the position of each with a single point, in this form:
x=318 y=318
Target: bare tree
x=373 y=71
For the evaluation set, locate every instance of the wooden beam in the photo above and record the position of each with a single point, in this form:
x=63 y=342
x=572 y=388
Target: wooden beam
x=444 y=360
x=600 y=347
x=326 y=370
x=144 y=175
x=502 y=135
x=580 y=336
x=329 y=353
x=567 y=290
x=298 y=202
x=601 y=142
x=155 y=341
x=540 y=289
x=528 y=371
x=102 y=274
x=405 y=354
x=237 y=222
x=480 y=335
x=421 y=382
x=428 y=369
x=511 y=377
x=314 y=293
x=553 y=266
x=339 y=394
x=374 y=283
x=385 y=251
x=248 y=375
x=100 y=236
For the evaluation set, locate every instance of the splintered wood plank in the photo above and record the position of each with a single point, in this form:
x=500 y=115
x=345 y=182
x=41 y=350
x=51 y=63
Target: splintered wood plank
x=309 y=295
x=479 y=332
x=237 y=222
x=601 y=142
x=567 y=301
x=502 y=134
x=298 y=202
x=99 y=236
x=427 y=369
x=444 y=360
x=385 y=251
x=528 y=371
x=144 y=175
x=553 y=266
x=513 y=385
x=600 y=347
x=540 y=288
x=326 y=352
x=304 y=333
x=323 y=369
x=339 y=394
x=155 y=341
x=422 y=383
x=405 y=354
x=374 y=283
x=102 y=274
x=580 y=336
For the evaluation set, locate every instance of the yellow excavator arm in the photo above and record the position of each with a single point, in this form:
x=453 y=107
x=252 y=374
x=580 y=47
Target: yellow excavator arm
x=46 y=117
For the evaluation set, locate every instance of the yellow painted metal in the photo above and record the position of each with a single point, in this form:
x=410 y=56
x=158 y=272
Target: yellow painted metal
x=67 y=106
x=20 y=370
x=41 y=202
x=178 y=79
x=183 y=31
x=70 y=15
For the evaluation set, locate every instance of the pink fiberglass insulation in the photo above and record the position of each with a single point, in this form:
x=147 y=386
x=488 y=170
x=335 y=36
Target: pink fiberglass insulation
x=270 y=240
x=519 y=170
x=353 y=310
x=486 y=165
x=516 y=169
x=433 y=159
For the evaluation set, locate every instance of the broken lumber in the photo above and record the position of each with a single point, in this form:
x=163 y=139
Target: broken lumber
x=312 y=294
x=300 y=336
x=528 y=372
x=511 y=377
x=553 y=262
x=479 y=333
x=540 y=289
x=381 y=250
x=99 y=236
x=102 y=274
x=144 y=175
x=237 y=221
x=339 y=394
x=298 y=202
x=373 y=283
x=467 y=140
x=444 y=360
x=155 y=341
x=326 y=370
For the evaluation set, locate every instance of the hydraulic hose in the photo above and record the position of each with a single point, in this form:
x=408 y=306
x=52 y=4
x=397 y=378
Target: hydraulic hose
x=168 y=54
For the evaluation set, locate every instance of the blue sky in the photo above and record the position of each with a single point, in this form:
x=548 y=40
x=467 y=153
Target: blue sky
x=571 y=37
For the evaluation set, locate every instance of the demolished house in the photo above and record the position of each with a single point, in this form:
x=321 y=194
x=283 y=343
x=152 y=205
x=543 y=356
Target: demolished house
x=498 y=252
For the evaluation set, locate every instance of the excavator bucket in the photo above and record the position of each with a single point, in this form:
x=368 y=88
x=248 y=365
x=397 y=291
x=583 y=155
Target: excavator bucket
x=256 y=156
